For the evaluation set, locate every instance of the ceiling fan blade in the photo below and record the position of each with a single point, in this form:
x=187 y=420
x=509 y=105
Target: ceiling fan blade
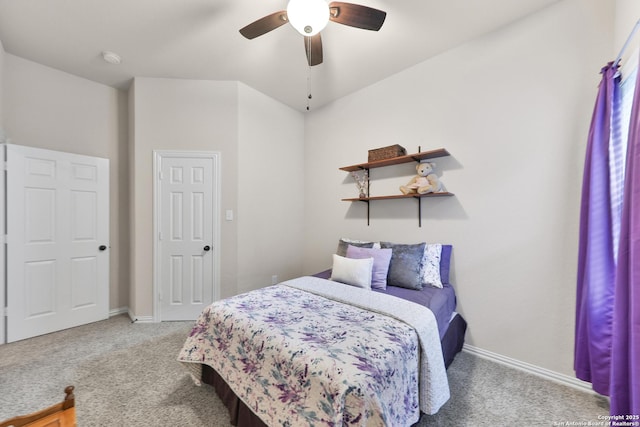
x=265 y=24
x=355 y=15
x=313 y=47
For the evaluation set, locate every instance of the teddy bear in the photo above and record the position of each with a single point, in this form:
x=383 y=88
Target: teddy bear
x=424 y=182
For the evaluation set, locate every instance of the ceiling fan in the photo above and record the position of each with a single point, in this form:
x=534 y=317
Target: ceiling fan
x=309 y=17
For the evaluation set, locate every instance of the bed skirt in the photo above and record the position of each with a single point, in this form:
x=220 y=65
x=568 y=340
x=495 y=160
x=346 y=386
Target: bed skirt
x=241 y=416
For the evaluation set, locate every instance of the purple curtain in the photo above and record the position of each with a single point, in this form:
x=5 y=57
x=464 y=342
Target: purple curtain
x=625 y=351
x=607 y=339
x=596 y=264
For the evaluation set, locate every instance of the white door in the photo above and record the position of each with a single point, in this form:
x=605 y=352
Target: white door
x=57 y=241
x=187 y=194
x=3 y=246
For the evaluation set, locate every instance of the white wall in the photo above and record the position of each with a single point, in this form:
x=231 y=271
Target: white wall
x=47 y=108
x=626 y=17
x=174 y=114
x=270 y=190
x=261 y=147
x=513 y=108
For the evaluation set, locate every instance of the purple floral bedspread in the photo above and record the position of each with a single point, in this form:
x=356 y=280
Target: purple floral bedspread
x=297 y=358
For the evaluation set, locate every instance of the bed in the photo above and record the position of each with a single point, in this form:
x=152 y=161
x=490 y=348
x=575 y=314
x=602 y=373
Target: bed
x=325 y=349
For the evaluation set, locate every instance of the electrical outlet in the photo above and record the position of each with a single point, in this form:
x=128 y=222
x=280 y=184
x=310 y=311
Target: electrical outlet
x=274 y=279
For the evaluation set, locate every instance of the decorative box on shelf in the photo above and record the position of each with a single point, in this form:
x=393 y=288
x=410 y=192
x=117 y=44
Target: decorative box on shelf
x=386 y=153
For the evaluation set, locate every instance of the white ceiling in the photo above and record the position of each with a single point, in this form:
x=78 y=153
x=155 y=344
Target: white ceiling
x=199 y=39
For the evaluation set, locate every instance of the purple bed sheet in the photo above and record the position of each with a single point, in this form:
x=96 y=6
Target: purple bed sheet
x=442 y=302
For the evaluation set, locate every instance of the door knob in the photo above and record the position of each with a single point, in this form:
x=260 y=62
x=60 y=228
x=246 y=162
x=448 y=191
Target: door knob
x=102 y=247
x=207 y=248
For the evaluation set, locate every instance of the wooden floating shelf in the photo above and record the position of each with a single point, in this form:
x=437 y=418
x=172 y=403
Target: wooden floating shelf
x=417 y=157
x=398 y=196
x=413 y=196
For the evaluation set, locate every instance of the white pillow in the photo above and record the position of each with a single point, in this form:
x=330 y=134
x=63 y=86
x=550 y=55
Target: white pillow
x=431 y=265
x=354 y=272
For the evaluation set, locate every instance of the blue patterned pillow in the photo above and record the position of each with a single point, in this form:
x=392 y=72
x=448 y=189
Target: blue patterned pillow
x=406 y=265
x=431 y=265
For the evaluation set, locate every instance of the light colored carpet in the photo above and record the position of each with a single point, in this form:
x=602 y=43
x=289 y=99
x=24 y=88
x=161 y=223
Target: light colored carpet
x=127 y=375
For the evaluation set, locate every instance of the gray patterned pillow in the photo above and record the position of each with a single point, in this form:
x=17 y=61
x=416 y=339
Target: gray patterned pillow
x=344 y=243
x=406 y=265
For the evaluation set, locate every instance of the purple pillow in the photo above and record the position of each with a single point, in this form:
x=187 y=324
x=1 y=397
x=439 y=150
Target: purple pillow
x=381 y=260
x=445 y=263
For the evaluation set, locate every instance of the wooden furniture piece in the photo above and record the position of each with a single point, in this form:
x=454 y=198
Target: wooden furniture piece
x=59 y=415
x=417 y=157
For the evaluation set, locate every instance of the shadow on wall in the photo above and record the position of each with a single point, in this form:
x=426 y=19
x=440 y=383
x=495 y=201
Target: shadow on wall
x=433 y=208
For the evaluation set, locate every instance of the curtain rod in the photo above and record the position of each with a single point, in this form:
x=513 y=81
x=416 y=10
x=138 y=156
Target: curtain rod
x=624 y=47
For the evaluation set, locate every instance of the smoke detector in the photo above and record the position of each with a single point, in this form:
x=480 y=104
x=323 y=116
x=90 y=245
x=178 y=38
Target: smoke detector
x=111 y=57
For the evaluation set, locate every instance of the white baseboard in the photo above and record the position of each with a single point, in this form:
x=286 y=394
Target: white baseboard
x=134 y=319
x=118 y=311
x=531 y=369
x=140 y=319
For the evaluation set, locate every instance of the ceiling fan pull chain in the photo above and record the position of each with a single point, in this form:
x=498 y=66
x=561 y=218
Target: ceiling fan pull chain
x=308 y=87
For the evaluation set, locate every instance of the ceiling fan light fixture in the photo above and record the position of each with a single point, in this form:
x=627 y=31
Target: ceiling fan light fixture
x=308 y=17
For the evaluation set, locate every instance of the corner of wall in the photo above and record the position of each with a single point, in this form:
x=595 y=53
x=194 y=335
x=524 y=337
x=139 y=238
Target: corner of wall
x=2 y=53
x=270 y=146
x=178 y=114
x=132 y=193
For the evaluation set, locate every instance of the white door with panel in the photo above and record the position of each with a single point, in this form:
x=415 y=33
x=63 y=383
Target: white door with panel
x=57 y=208
x=187 y=193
